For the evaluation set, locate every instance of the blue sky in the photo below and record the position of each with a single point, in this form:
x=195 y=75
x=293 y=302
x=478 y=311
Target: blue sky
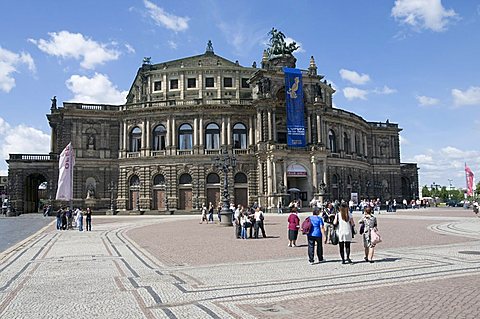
x=413 y=62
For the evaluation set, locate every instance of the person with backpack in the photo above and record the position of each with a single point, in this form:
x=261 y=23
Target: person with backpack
x=344 y=222
x=314 y=236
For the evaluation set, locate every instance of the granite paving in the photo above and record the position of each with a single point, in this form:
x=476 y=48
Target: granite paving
x=173 y=267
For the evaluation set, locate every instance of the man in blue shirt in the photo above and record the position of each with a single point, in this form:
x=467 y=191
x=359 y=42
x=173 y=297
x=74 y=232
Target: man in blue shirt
x=315 y=236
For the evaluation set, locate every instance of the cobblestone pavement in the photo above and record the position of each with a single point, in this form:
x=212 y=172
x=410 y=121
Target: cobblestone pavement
x=14 y=229
x=171 y=267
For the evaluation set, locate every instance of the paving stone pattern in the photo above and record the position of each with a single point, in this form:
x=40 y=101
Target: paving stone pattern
x=172 y=267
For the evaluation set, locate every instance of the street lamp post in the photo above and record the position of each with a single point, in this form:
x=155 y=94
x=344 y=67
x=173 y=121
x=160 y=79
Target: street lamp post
x=225 y=163
x=112 y=197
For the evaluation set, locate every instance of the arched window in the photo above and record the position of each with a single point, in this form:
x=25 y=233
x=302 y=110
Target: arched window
x=332 y=141
x=135 y=181
x=185 y=179
x=346 y=143
x=185 y=134
x=212 y=137
x=334 y=179
x=240 y=178
x=159 y=137
x=240 y=136
x=159 y=180
x=213 y=178
x=135 y=139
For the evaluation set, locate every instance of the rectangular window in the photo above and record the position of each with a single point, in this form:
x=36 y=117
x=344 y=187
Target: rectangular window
x=209 y=82
x=282 y=137
x=174 y=84
x=245 y=84
x=157 y=85
x=227 y=82
x=191 y=83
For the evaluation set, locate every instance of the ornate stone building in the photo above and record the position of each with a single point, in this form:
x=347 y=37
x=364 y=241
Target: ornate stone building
x=156 y=151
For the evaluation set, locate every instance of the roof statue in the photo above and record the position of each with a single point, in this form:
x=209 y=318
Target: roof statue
x=147 y=60
x=209 y=47
x=277 y=44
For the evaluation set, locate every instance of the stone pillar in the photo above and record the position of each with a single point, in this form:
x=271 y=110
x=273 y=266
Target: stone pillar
x=168 y=135
x=120 y=141
x=147 y=138
x=250 y=131
x=319 y=131
x=229 y=132
x=125 y=137
x=222 y=131
x=219 y=86
x=269 y=119
x=285 y=173
x=314 y=173
x=200 y=85
x=274 y=126
x=201 y=132
x=182 y=86
x=195 y=132
x=165 y=86
x=309 y=130
x=174 y=135
x=259 y=127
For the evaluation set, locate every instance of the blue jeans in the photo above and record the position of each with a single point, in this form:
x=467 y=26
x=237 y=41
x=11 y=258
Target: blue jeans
x=244 y=232
x=59 y=223
x=80 y=224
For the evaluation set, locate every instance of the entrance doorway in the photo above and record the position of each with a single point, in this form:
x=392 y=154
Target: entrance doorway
x=36 y=189
x=185 y=199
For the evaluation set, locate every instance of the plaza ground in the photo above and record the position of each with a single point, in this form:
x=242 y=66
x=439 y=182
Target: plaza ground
x=173 y=267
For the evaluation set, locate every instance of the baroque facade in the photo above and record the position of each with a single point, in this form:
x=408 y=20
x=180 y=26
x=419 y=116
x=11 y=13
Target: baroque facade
x=156 y=152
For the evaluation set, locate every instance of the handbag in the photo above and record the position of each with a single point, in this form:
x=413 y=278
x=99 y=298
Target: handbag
x=375 y=236
x=334 y=236
x=362 y=229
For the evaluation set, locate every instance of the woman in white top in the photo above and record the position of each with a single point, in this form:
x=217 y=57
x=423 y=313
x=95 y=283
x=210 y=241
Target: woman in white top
x=344 y=223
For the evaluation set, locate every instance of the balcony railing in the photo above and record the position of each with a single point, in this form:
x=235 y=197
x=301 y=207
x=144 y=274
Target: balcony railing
x=158 y=153
x=212 y=152
x=240 y=151
x=184 y=152
x=34 y=157
x=133 y=154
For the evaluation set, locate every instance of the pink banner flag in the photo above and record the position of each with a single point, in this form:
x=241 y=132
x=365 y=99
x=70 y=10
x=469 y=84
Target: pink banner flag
x=470 y=177
x=65 y=176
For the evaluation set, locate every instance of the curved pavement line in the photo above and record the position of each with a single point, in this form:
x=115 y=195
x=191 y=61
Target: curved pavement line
x=453 y=229
x=20 y=245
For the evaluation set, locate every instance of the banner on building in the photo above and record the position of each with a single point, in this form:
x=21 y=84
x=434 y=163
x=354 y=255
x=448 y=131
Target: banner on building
x=295 y=107
x=65 y=174
x=470 y=177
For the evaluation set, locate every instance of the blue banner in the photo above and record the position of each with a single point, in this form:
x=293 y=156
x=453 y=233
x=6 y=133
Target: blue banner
x=295 y=108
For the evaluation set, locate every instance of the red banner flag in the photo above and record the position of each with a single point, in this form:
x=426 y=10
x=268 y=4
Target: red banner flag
x=470 y=177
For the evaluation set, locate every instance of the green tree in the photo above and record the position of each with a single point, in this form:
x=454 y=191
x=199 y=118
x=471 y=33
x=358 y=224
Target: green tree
x=443 y=194
x=426 y=192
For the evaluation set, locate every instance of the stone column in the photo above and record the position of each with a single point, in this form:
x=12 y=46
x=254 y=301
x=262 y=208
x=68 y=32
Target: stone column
x=167 y=138
x=182 y=86
x=200 y=85
x=309 y=130
x=201 y=132
x=147 y=138
x=229 y=132
x=319 y=131
x=165 y=86
x=274 y=126
x=269 y=119
x=250 y=131
x=259 y=127
x=219 y=86
x=222 y=131
x=269 y=176
x=285 y=173
x=125 y=139
x=195 y=132
x=174 y=135
x=314 y=173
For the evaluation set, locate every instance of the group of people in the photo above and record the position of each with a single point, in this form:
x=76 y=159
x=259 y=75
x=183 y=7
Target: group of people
x=66 y=218
x=334 y=222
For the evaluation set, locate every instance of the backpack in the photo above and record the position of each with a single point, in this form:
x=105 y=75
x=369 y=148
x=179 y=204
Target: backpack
x=306 y=226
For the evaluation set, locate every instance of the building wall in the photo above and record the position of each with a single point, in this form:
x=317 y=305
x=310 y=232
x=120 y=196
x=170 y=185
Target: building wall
x=360 y=156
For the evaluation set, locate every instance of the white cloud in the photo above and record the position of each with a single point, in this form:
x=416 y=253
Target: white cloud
x=385 y=90
x=97 y=89
x=423 y=14
x=403 y=140
x=172 y=44
x=166 y=19
x=9 y=61
x=354 y=77
x=468 y=97
x=75 y=45
x=354 y=93
x=241 y=36
x=130 y=49
x=289 y=40
x=446 y=163
x=21 y=139
x=426 y=100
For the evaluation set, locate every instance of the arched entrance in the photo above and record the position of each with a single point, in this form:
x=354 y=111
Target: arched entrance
x=159 y=192
x=185 y=192
x=36 y=192
x=297 y=183
x=241 y=189
x=134 y=202
x=213 y=189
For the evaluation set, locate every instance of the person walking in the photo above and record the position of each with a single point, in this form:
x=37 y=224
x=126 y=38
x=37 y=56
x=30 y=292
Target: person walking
x=344 y=222
x=79 y=220
x=210 y=213
x=204 y=214
x=88 y=219
x=328 y=217
x=245 y=222
x=59 y=219
x=293 y=226
x=369 y=222
x=315 y=237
